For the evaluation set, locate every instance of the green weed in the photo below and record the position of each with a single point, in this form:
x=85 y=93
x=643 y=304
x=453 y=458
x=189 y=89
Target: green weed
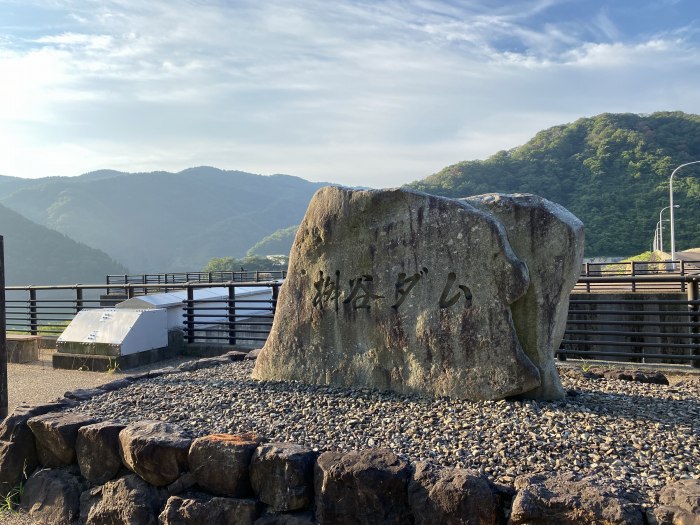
x=9 y=503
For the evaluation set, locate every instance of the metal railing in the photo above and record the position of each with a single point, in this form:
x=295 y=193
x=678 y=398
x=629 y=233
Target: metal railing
x=661 y=326
x=47 y=310
x=181 y=278
x=230 y=321
x=608 y=269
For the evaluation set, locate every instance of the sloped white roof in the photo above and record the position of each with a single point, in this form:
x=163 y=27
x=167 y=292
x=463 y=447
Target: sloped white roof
x=176 y=298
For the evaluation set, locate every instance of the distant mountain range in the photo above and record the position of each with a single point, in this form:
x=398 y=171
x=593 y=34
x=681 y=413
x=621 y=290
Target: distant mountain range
x=161 y=221
x=37 y=255
x=611 y=170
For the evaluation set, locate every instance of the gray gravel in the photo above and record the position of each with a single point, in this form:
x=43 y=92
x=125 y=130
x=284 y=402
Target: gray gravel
x=635 y=436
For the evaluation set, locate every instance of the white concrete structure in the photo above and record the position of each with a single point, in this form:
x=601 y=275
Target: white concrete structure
x=113 y=332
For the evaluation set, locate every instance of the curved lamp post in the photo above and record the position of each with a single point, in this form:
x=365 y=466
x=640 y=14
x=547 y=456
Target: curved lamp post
x=670 y=191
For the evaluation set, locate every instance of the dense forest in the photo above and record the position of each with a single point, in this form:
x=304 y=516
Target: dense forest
x=38 y=255
x=279 y=242
x=611 y=170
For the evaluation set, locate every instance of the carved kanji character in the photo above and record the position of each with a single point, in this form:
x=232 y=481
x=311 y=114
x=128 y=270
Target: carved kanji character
x=360 y=292
x=326 y=290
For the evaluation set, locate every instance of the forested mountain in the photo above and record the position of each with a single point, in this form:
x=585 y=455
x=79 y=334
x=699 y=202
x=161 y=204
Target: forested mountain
x=161 y=221
x=37 y=255
x=277 y=243
x=611 y=170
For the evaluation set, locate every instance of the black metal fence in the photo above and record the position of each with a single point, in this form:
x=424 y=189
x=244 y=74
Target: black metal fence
x=47 y=310
x=660 y=322
x=234 y=320
x=182 y=278
x=607 y=269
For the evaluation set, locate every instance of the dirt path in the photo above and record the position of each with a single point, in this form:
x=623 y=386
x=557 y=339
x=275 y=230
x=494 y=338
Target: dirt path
x=38 y=382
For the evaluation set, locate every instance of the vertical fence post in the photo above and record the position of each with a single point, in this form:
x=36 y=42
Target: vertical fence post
x=190 y=314
x=694 y=295
x=231 y=314
x=33 y=321
x=683 y=287
x=634 y=273
x=3 y=339
x=78 y=299
x=275 y=295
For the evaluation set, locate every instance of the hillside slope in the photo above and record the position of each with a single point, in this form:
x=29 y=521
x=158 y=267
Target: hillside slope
x=37 y=255
x=611 y=170
x=160 y=221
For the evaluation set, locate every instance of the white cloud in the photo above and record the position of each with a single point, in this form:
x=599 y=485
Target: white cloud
x=345 y=91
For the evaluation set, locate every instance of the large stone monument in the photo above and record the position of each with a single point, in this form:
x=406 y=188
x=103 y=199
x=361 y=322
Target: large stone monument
x=403 y=291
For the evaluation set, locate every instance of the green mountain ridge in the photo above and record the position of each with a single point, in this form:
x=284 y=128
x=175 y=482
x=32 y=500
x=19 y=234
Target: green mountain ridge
x=37 y=255
x=162 y=221
x=611 y=170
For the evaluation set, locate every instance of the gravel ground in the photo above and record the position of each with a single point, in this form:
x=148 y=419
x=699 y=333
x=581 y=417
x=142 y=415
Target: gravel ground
x=38 y=382
x=15 y=518
x=635 y=436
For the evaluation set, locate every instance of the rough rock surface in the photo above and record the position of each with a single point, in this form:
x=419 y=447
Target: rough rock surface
x=125 y=500
x=55 y=435
x=563 y=500
x=549 y=240
x=97 y=449
x=155 y=451
x=680 y=503
x=398 y=290
x=451 y=497
x=18 y=457
x=220 y=462
x=53 y=496
x=367 y=487
x=296 y=518
x=282 y=475
x=640 y=376
x=206 y=510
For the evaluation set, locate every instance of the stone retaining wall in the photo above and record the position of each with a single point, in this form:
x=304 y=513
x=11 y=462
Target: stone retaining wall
x=99 y=472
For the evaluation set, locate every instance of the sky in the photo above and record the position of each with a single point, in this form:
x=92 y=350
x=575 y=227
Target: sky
x=361 y=93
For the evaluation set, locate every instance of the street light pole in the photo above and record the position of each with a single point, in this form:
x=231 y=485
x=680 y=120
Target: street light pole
x=670 y=191
x=3 y=341
x=660 y=225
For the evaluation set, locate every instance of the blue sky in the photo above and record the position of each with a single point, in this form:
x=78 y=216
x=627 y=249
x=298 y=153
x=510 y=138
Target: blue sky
x=354 y=92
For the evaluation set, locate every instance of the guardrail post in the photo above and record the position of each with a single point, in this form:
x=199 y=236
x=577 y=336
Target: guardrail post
x=190 y=314
x=683 y=286
x=33 y=320
x=3 y=339
x=129 y=292
x=694 y=295
x=231 y=314
x=78 y=299
x=634 y=273
x=275 y=295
